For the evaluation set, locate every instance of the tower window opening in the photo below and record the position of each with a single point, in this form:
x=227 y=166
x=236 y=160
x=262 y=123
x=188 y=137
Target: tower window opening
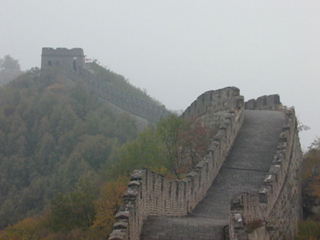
x=75 y=65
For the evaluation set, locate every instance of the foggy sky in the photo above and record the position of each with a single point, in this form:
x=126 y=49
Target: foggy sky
x=176 y=50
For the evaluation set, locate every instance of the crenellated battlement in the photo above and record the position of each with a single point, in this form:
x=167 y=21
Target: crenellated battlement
x=270 y=102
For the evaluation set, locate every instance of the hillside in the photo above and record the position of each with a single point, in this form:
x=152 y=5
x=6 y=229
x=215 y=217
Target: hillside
x=120 y=82
x=51 y=137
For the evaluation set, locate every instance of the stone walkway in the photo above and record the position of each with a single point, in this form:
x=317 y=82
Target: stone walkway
x=244 y=170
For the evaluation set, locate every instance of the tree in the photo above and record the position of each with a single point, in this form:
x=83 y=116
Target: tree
x=173 y=148
x=109 y=203
x=8 y=63
x=169 y=131
x=25 y=229
x=311 y=178
x=9 y=69
x=74 y=210
x=186 y=143
x=147 y=151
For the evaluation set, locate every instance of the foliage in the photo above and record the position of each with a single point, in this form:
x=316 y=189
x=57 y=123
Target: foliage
x=87 y=212
x=8 y=63
x=301 y=127
x=145 y=151
x=51 y=137
x=9 y=69
x=28 y=228
x=311 y=178
x=186 y=143
x=75 y=209
x=108 y=204
x=308 y=230
x=173 y=148
x=58 y=145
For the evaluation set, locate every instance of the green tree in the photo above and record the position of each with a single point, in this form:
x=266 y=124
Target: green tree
x=311 y=178
x=9 y=69
x=108 y=204
x=8 y=63
x=146 y=151
x=310 y=228
x=174 y=147
x=74 y=210
x=186 y=143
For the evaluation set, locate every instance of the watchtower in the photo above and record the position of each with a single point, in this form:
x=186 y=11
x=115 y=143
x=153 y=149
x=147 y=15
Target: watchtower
x=72 y=58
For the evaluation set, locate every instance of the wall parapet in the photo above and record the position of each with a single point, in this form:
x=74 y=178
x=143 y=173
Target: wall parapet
x=274 y=212
x=151 y=194
x=270 y=102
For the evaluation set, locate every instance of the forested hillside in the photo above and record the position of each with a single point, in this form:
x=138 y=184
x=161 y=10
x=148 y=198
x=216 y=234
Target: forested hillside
x=65 y=158
x=51 y=137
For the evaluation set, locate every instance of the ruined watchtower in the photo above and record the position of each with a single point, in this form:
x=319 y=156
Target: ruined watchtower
x=72 y=58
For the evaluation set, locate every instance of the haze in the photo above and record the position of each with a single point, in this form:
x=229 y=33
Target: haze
x=176 y=50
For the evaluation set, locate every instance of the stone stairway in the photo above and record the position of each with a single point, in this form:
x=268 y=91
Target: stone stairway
x=243 y=171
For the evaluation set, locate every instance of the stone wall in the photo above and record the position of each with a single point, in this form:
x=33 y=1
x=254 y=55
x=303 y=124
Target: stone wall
x=151 y=194
x=273 y=214
x=271 y=102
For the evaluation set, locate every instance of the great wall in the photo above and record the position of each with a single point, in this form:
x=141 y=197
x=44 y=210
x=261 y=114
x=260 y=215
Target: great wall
x=245 y=188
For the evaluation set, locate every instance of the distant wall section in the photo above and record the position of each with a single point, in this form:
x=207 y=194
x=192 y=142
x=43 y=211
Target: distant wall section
x=70 y=64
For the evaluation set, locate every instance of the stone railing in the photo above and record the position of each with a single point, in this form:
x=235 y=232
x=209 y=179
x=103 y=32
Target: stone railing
x=270 y=102
x=273 y=214
x=109 y=93
x=151 y=194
